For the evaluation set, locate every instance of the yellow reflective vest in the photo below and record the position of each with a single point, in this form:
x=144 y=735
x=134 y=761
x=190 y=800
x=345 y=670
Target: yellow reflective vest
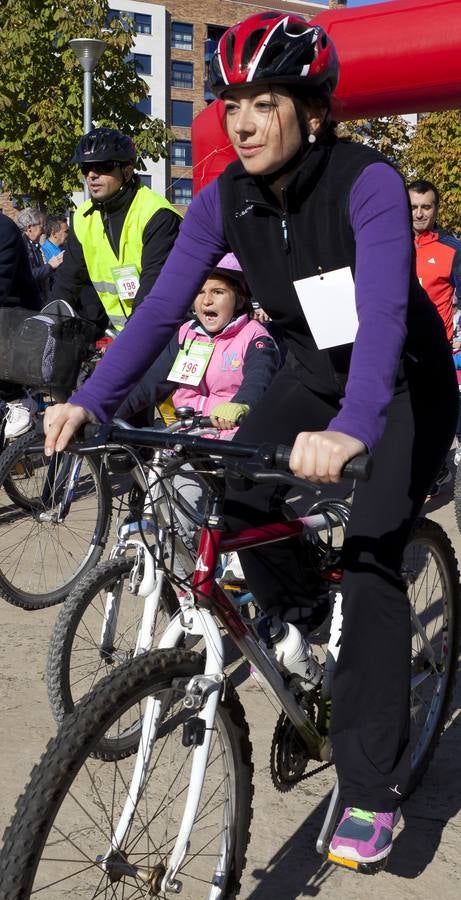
x=101 y=260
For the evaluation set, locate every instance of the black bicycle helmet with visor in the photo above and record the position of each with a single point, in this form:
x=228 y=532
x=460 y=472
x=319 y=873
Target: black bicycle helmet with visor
x=105 y=145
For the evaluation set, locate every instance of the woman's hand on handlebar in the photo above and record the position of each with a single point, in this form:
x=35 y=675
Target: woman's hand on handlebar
x=320 y=456
x=60 y=423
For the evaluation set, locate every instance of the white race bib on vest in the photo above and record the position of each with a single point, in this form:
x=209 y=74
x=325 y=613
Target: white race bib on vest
x=126 y=280
x=328 y=304
x=191 y=363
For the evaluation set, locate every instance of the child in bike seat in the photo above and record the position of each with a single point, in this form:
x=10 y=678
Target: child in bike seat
x=220 y=362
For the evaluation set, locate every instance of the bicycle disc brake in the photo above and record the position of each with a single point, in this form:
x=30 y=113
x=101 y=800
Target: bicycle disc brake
x=289 y=754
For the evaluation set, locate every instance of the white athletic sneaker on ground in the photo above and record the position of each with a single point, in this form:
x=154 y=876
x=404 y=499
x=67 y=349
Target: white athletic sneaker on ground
x=19 y=416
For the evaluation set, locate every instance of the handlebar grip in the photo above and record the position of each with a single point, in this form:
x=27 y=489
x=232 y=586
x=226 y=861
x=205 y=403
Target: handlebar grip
x=358 y=468
x=282 y=457
x=204 y=422
x=90 y=431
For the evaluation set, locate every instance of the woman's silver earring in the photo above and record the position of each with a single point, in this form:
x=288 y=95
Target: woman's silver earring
x=312 y=139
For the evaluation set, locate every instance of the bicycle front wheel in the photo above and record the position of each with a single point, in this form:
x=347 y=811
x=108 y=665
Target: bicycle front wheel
x=83 y=648
x=431 y=573
x=65 y=820
x=54 y=521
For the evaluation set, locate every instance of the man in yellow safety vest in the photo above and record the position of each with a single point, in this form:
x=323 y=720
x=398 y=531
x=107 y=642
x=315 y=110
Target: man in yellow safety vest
x=119 y=238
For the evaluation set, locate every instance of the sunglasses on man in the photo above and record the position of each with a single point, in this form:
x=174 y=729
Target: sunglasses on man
x=101 y=168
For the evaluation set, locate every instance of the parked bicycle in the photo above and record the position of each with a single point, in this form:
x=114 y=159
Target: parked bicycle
x=55 y=516
x=54 y=521
x=176 y=816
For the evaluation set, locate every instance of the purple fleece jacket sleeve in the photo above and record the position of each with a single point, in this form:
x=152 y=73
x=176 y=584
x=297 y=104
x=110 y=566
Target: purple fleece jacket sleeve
x=378 y=210
x=198 y=247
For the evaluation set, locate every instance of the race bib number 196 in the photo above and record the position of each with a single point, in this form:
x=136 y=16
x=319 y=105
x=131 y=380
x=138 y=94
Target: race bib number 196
x=190 y=364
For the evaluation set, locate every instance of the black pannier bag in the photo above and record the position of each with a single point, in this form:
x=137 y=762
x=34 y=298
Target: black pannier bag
x=45 y=349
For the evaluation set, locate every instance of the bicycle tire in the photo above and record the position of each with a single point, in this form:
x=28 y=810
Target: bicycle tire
x=64 y=805
x=75 y=661
x=431 y=572
x=10 y=487
x=457 y=496
x=42 y=558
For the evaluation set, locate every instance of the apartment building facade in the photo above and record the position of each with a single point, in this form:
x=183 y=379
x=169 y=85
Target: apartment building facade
x=175 y=40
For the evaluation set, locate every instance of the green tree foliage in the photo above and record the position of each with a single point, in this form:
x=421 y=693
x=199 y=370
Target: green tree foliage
x=41 y=94
x=431 y=150
x=435 y=154
x=391 y=135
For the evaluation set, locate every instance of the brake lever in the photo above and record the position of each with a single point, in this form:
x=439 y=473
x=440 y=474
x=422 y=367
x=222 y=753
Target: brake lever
x=268 y=477
x=285 y=478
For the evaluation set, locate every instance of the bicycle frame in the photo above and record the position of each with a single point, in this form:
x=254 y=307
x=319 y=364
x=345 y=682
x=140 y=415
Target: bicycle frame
x=200 y=607
x=205 y=603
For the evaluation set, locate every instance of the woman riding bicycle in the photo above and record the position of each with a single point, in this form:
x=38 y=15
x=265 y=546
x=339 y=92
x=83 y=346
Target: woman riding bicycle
x=311 y=216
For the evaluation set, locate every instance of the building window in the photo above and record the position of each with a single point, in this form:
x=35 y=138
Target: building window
x=143 y=63
x=181 y=113
x=214 y=33
x=146 y=180
x=182 y=74
x=181 y=154
x=145 y=106
x=182 y=191
x=142 y=23
x=111 y=14
x=182 y=36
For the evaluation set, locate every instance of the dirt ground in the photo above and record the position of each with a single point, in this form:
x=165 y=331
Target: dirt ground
x=282 y=862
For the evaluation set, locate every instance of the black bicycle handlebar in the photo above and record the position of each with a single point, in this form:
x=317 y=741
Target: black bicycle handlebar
x=266 y=456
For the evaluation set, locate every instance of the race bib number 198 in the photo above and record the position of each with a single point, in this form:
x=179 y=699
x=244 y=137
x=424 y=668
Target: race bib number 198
x=126 y=281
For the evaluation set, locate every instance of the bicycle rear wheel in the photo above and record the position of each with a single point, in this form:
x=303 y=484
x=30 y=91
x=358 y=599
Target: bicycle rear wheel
x=457 y=495
x=68 y=813
x=77 y=661
x=431 y=573
x=47 y=543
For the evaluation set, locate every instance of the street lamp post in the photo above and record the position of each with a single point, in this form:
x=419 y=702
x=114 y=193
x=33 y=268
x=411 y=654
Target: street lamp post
x=88 y=52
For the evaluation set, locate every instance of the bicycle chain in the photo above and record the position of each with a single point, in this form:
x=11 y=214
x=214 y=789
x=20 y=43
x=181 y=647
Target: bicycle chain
x=289 y=756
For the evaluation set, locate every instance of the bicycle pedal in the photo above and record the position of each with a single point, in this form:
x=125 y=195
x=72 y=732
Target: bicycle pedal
x=230 y=586
x=371 y=868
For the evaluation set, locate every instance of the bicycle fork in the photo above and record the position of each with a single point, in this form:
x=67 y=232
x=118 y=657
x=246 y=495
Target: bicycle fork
x=149 y=587
x=202 y=694
x=56 y=481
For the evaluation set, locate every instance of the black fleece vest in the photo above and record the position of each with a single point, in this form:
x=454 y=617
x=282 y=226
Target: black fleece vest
x=310 y=234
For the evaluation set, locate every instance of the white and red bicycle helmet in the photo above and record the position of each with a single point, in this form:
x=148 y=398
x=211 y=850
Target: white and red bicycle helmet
x=274 y=48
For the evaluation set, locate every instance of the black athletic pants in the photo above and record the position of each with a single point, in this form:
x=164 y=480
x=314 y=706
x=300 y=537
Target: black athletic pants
x=370 y=706
x=9 y=390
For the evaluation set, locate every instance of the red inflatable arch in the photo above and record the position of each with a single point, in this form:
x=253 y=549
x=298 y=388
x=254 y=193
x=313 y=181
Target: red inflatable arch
x=398 y=57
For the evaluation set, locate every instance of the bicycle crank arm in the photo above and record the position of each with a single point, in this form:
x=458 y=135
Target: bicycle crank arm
x=326 y=832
